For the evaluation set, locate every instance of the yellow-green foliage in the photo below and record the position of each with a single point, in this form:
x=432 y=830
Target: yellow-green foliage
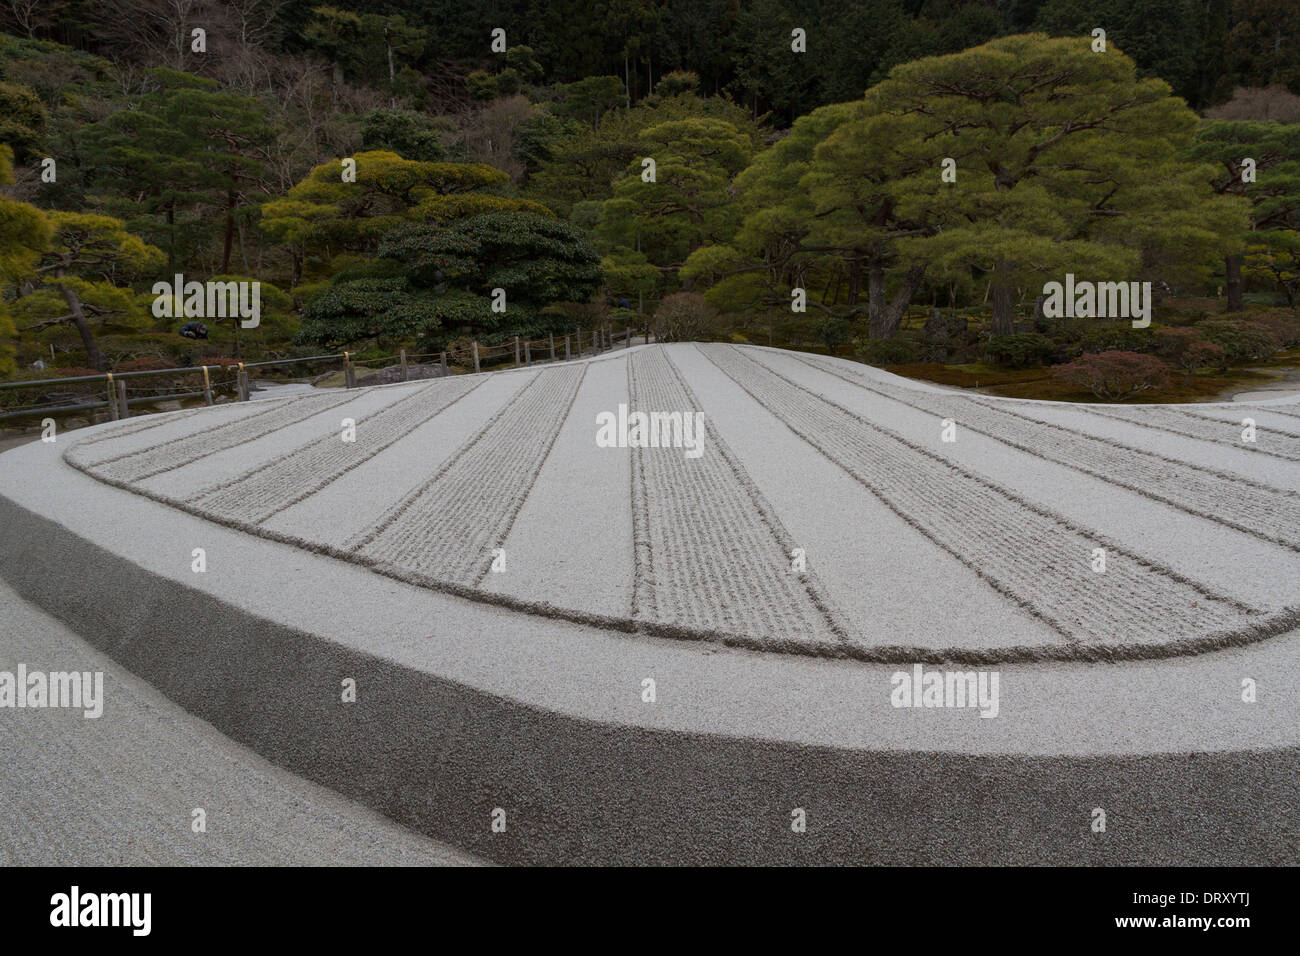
x=24 y=229
x=88 y=241
x=7 y=332
x=388 y=191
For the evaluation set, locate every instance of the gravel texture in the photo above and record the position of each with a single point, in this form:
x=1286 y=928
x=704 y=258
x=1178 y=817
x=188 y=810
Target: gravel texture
x=120 y=789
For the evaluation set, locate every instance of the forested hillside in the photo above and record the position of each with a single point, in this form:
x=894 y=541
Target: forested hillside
x=898 y=180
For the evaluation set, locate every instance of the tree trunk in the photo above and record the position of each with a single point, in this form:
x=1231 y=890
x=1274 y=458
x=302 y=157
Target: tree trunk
x=1233 y=267
x=94 y=357
x=1004 y=301
x=855 y=281
x=243 y=251
x=876 y=301
x=902 y=299
x=883 y=320
x=230 y=232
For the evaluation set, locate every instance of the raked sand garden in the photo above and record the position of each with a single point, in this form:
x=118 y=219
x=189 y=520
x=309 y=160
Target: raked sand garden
x=812 y=527
x=979 y=548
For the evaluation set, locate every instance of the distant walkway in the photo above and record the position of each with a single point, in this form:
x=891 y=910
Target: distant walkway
x=1284 y=387
x=121 y=789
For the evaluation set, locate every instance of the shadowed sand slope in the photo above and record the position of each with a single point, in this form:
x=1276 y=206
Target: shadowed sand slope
x=121 y=790
x=994 y=516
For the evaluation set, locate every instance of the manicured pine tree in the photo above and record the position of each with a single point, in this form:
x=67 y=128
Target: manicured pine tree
x=1273 y=195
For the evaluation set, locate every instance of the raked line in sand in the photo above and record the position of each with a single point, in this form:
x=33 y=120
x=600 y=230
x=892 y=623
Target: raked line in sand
x=1236 y=563
x=710 y=559
x=464 y=707
x=1272 y=441
x=1258 y=509
x=1034 y=556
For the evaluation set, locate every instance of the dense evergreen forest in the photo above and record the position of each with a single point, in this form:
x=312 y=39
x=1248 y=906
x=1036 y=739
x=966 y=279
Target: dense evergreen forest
x=898 y=180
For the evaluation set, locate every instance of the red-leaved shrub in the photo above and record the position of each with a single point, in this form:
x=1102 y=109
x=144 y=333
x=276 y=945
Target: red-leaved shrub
x=1187 y=349
x=1114 y=375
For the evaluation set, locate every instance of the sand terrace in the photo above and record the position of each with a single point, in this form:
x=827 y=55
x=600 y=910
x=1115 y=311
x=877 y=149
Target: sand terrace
x=1200 y=530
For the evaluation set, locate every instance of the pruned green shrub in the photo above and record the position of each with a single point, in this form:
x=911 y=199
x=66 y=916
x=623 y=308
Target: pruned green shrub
x=1241 y=341
x=1019 y=350
x=895 y=351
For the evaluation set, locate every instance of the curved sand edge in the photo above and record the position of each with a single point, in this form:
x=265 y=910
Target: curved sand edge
x=1107 y=644
x=439 y=756
x=121 y=792
x=1178 y=705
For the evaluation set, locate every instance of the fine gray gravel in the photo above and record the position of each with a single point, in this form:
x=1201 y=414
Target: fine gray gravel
x=467 y=706
x=120 y=789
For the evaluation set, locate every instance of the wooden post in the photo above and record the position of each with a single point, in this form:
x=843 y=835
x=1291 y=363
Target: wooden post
x=112 y=398
x=121 y=399
x=406 y=371
x=442 y=360
x=207 y=387
x=595 y=344
x=566 y=348
x=627 y=337
x=476 y=365
x=516 y=351
x=349 y=372
x=243 y=383
x=552 y=337
x=528 y=352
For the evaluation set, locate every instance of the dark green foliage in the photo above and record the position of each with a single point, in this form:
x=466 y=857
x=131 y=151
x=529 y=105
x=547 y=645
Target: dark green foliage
x=369 y=48
x=896 y=351
x=391 y=309
x=409 y=134
x=836 y=332
x=1115 y=337
x=1241 y=341
x=448 y=274
x=188 y=156
x=1160 y=35
x=1020 y=349
x=537 y=260
x=776 y=169
x=23 y=119
x=589 y=99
